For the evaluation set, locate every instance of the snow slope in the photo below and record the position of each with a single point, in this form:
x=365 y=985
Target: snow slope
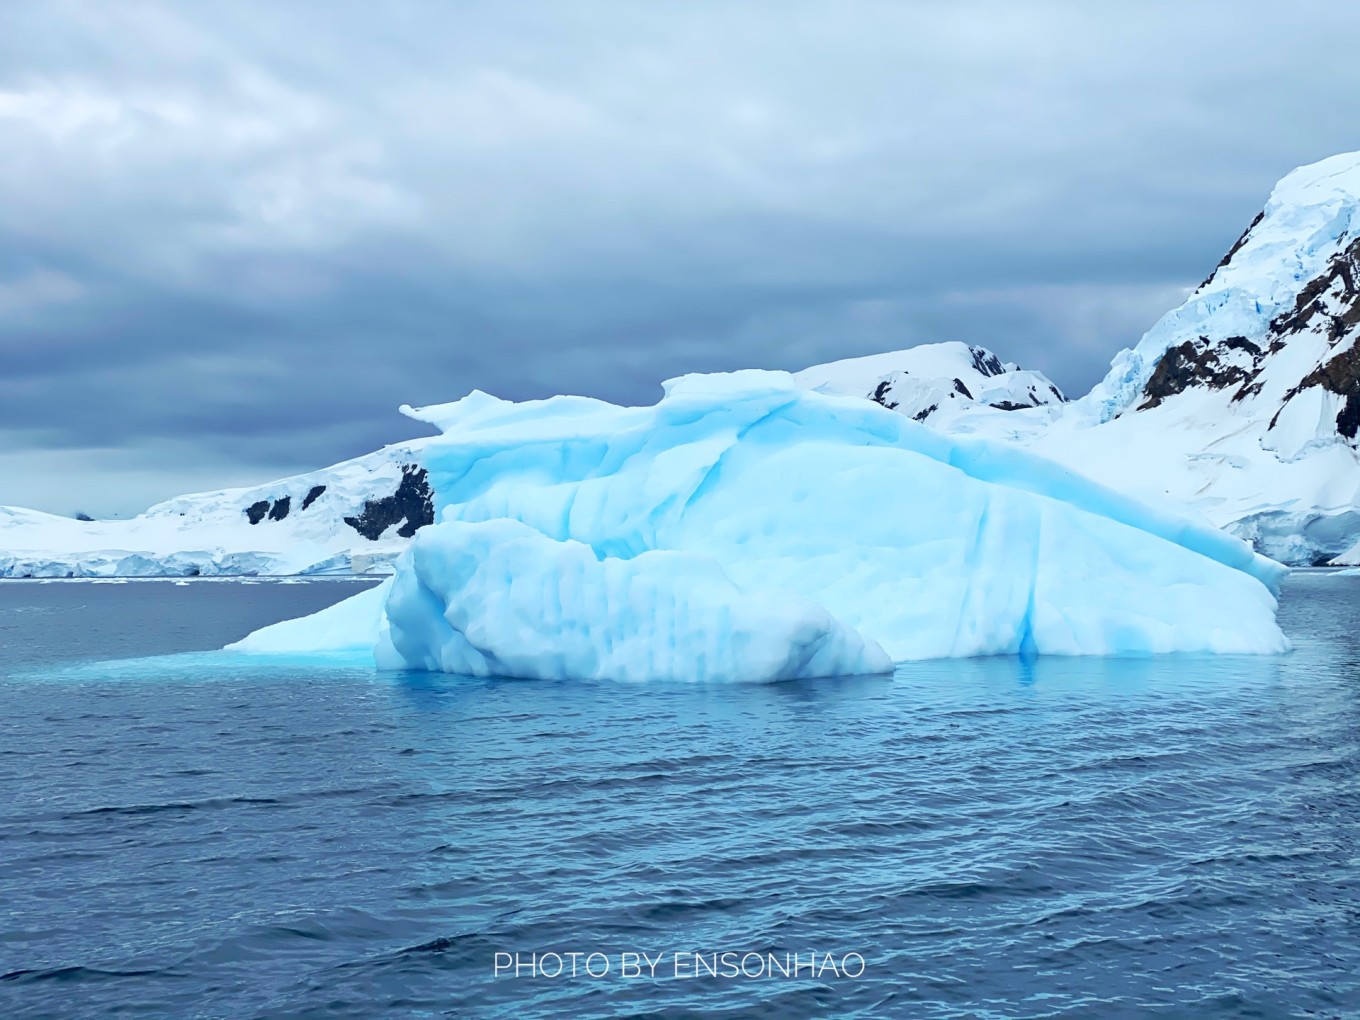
x=746 y=527
x=1349 y=558
x=935 y=383
x=347 y=518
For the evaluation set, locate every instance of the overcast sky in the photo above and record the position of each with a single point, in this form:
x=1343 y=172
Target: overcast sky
x=235 y=236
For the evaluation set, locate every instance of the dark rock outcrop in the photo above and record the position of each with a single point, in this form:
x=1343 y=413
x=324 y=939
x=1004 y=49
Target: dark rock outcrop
x=1340 y=375
x=1198 y=363
x=880 y=395
x=312 y=495
x=1330 y=302
x=280 y=508
x=1348 y=420
x=1328 y=305
x=412 y=505
x=256 y=511
x=986 y=362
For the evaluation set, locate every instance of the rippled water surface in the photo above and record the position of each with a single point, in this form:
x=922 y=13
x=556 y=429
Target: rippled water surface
x=201 y=836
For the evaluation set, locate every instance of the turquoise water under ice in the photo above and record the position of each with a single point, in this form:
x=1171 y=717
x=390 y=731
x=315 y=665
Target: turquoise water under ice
x=198 y=835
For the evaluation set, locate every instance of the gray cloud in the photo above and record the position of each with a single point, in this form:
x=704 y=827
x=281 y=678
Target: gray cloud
x=234 y=236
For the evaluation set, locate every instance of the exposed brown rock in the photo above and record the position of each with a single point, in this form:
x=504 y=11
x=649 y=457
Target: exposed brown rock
x=1195 y=363
x=1338 y=282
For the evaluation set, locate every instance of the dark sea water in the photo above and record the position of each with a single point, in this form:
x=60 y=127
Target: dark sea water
x=207 y=836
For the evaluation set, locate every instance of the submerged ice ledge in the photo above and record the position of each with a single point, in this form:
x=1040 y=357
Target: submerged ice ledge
x=744 y=527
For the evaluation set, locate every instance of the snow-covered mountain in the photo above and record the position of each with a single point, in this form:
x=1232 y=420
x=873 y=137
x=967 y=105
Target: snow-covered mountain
x=935 y=383
x=1243 y=404
x=354 y=517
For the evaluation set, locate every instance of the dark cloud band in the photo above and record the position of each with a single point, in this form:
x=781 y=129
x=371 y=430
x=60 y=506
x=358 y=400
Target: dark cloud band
x=254 y=229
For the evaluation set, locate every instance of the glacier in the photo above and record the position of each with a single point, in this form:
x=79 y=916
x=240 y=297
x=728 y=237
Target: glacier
x=745 y=527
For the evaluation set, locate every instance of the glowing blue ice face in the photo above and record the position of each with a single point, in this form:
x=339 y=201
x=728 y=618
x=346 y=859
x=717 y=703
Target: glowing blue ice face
x=746 y=527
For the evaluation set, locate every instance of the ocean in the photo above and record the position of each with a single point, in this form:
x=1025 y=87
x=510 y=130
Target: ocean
x=186 y=833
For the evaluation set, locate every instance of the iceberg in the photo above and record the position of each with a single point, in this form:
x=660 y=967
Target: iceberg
x=356 y=624
x=745 y=527
x=501 y=599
